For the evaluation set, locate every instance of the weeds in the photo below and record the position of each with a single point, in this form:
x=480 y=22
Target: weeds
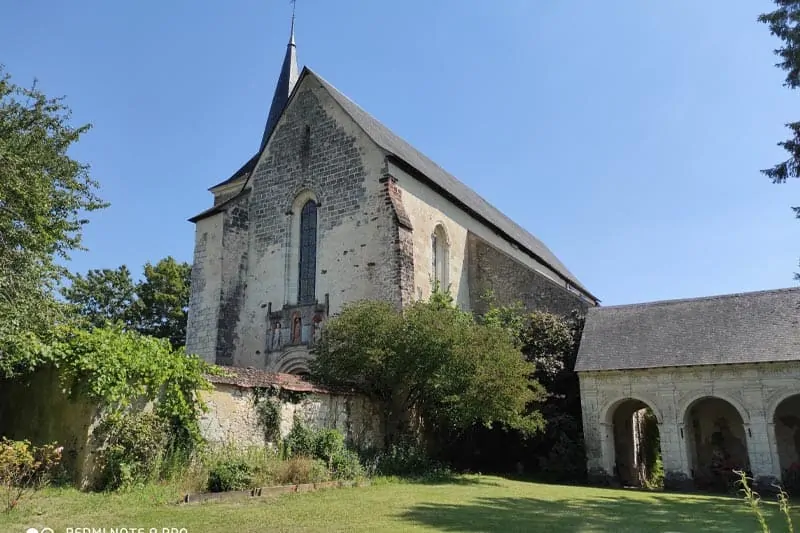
x=753 y=501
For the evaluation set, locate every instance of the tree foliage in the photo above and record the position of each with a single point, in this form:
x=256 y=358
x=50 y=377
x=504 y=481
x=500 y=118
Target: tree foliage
x=429 y=362
x=44 y=196
x=549 y=342
x=117 y=368
x=784 y=23
x=157 y=305
x=102 y=295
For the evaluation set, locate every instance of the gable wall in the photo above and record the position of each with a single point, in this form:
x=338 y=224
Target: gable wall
x=342 y=167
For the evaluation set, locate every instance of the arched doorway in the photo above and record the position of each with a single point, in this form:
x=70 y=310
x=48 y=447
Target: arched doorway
x=787 y=437
x=637 y=444
x=717 y=444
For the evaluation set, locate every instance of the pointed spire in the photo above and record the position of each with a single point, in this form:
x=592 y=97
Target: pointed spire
x=286 y=81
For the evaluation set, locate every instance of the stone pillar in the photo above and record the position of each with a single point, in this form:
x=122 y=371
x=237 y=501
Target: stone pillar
x=607 y=447
x=671 y=444
x=760 y=449
x=677 y=470
x=773 y=448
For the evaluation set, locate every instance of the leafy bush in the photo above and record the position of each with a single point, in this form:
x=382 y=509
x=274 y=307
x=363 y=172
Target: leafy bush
x=135 y=445
x=116 y=368
x=301 y=440
x=232 y=474
x=429 y=361
x=405 y=458
x=269 y=417
x=345 y=464
x=25 y=468
x=327 y=444
x=301 y=470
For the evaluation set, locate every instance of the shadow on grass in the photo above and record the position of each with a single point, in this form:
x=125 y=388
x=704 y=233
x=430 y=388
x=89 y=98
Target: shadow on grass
x=605 y=513
x=445 y=479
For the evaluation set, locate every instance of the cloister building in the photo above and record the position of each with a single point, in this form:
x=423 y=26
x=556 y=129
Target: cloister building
x=720 y=375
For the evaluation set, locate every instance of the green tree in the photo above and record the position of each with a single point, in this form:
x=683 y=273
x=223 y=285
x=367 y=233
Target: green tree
x=429 y=362
x=550 y=342
x=784 y=23
x=44 y=198
x=162 y=301
x=156 y=306
x=102 y=295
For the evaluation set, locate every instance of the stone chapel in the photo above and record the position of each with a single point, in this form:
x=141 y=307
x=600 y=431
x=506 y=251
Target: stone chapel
x=333 y=208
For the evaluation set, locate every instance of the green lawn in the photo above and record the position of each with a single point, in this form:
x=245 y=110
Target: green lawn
x=470 y=503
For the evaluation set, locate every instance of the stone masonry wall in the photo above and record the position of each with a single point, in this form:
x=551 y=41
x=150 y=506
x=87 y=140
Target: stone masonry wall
x=510 y=281
x=234 y=279
x=315 y=149
x=754 y=390
x=201 y=328
x=233 y=419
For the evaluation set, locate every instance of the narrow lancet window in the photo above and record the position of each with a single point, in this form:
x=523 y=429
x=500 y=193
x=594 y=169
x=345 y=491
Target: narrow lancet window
x=440 y=257
x=308 y=254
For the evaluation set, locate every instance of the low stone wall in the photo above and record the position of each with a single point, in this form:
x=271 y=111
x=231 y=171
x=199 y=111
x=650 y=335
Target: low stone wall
x=36 y=409
x=233 y=417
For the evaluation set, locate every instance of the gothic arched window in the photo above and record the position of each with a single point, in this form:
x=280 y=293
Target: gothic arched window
x=307 y=269
x=439 y=253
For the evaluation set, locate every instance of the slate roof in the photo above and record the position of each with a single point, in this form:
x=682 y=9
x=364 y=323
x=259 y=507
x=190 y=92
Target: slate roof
x=423 y=168
x=753 y=327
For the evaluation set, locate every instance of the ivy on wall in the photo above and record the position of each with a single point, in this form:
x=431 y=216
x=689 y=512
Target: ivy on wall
x=118 y=369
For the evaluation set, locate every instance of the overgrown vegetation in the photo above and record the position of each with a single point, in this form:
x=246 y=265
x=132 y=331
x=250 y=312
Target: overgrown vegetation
x=550 y=343
x=432 y=365
x=120 y=369
x=651 y=452
x=25 y=469
x=753 y=501
x=305 y=456
x=44 y=196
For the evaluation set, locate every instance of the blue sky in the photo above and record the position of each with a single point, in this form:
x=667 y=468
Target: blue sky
x=627 y=135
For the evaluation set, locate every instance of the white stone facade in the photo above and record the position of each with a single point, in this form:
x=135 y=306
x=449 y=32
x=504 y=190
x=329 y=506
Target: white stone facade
x=754 y=391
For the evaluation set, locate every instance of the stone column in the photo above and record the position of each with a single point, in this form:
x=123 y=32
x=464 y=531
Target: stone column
x=759 y=449
x=773 y=448
x=607 y=447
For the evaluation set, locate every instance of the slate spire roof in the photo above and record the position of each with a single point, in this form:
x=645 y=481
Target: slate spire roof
x=283 y=89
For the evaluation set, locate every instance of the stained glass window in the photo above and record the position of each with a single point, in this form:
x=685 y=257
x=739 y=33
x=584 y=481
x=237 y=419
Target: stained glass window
x=308 y=253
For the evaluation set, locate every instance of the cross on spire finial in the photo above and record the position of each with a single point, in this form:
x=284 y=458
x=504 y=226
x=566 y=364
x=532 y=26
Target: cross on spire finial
x=294 y=6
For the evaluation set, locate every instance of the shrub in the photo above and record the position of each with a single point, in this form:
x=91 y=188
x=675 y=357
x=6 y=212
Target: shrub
x=405 y=458
x=327 y=444
x=25 y=468
x=269 y=417
x=345 y=464
x=231 y=474
x=135 y=445
x=301 y=470
x=301 y=440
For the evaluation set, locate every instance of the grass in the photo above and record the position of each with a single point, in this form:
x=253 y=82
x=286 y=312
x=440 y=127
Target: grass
x=468 y=503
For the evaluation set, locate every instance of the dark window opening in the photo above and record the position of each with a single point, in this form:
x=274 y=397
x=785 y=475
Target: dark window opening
x=308 y=254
